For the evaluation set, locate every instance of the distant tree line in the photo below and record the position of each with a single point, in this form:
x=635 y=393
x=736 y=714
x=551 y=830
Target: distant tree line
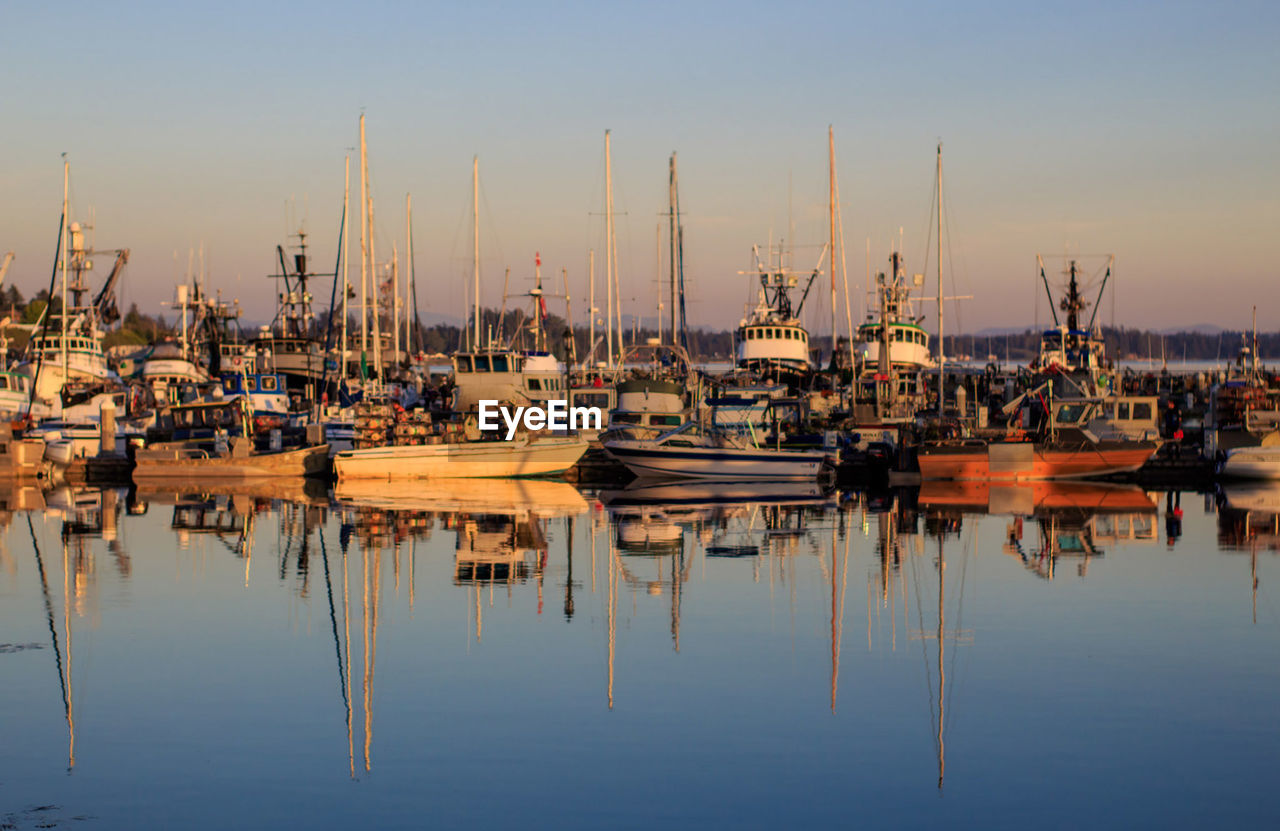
x=1123 y=344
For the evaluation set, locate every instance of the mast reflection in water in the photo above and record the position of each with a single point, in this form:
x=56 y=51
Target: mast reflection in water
x=208 y=642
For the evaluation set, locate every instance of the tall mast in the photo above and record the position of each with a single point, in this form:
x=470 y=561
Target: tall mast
x=377 y=324
x=608 y=244
x=395 y=303
x=346 y=224
x=942 y=357
x=364 y=248
x=66 y=225
x=475 y=249
x=831 y=210
x=409 y=292
x=657 y=252
x=592 y=311
x=671 y=199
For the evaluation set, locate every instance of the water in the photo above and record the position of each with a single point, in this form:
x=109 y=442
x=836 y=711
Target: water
x=523 y=655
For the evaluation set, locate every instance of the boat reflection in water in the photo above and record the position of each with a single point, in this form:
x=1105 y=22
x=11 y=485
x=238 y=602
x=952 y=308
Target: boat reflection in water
x=1073 y=519
x=1249 y=521
x=87 y=515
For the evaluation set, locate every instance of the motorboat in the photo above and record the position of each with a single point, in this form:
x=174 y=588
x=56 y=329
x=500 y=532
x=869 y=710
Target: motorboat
x=693 y=451
x=525 y=455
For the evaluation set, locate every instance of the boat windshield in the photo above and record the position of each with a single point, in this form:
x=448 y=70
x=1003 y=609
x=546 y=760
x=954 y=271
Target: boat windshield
x=1071 y=413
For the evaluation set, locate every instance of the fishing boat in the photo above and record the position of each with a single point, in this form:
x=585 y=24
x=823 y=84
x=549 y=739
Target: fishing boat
x=692 y=451
x=507 y=376
x=525 y=455
x=184 y=461
x=892 y=351
x=770 y=342
x=1069 y=348
x=217 y=440
x=1061 y=447
x=66 y=346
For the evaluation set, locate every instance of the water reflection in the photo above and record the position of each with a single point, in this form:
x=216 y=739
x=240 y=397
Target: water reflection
x=1072 y=520
x=673 y=570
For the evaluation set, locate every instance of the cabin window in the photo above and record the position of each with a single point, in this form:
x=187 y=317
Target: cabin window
x=535 y=384
x=1071 y=413
x=665 y=420
x=251 y=384
x=462 y=363
x=499 y=363
x=1122 y=410
x=482 y=363
x=269 y=383
x=591 y=399
x=749 y=334
x=1142 y=410
x=628 y=418
x=228 y=385
x=804 y=336
x=4 y=382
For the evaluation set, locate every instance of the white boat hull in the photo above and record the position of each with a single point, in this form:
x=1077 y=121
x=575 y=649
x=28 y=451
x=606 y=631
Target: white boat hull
x=648 y=460
x=468 y=460
x=1252 y=463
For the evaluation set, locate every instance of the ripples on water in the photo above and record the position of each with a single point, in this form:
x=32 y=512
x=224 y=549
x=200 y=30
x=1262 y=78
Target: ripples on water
x=523 y=654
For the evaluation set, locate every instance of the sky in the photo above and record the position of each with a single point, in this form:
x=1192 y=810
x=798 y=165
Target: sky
x=1146 y=131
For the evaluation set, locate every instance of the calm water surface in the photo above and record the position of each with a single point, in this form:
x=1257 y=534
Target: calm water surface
x=526 y=655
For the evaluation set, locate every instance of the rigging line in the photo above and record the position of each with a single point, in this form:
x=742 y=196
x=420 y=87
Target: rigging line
x=48 y=608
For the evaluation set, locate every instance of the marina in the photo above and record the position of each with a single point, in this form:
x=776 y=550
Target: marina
x=511 y=416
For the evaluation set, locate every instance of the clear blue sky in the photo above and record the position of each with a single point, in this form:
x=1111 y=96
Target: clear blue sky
x=1146 y=130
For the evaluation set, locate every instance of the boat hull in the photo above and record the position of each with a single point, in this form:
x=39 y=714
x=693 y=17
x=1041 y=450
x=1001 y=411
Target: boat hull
x=667 y=462
x=474 y=460
x=1251 y=463
x=1026 y=460
x=178 y=463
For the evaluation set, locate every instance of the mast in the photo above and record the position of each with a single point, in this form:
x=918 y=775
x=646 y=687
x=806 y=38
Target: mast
x=942 y=358
x=672 y=212
x=592 y=311
x=475 y=249
x=409 y=275
x=66 y=225
x=346 y=224
x=657 y=252
x=364 y=249
x=608 y=245
x=571 y=352
x=395 y=303
x=831 y=216
x=377 y=324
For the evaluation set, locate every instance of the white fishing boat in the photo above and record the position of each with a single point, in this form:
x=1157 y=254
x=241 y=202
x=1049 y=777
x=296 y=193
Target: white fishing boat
x=507 y=376
x=690 y=451
x=770 y=342
x=66 y=346
x=524 y=455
